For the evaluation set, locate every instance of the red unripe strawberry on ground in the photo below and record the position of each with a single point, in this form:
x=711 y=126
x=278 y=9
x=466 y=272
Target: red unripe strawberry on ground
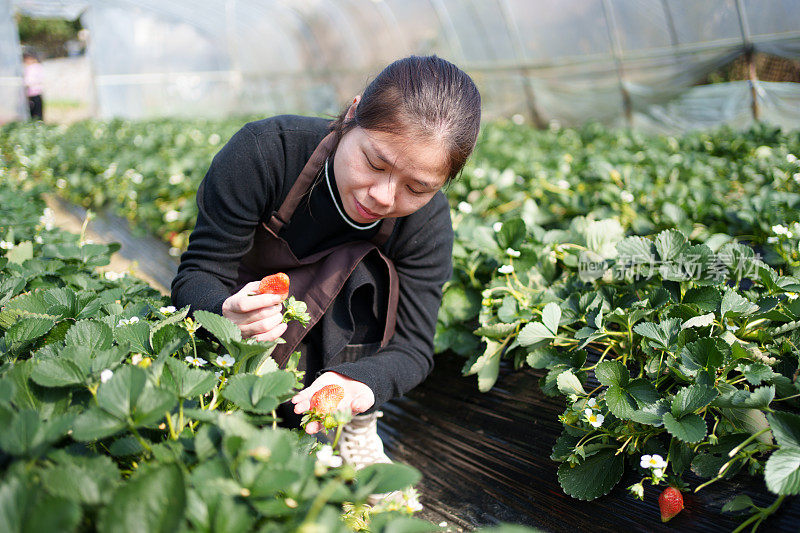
x=670 y=502
x=325 y=400
x=274 y=284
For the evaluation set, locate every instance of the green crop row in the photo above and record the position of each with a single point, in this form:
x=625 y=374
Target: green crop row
x=119 y=413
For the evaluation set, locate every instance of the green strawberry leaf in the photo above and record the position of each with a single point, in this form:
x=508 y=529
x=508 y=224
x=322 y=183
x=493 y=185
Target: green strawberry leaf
x=735 y=305
x=782 y=471
x=89 y=480
x=643 y=391
x=137 y=334
x=385 y=477
x=27 y=331
x=759 y=398
x=663 y=334
x=534 y=334
x=95 y=424
x=593 y=477
x=91 y=333
x=568 y=383
x=187 y=382
x=154 y=499
x=223 y=329
x=620 y=402
x=669 y=244
x=652 y=414
x=704 y=298
x=703 y=354
x=551 y=316
x=690 y=399
x=611 y=373
x=258 y=394
x=786 y=428
x=690 y=428
x=739 y=503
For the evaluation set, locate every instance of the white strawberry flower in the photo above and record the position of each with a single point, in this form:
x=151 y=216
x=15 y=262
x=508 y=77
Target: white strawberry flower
x=195 y=361
x=592 y=402
x=497 y=226
x=221 y=377
x=512 y=252
x=214 y=139
x=133 y=320
x=796 y=177
x=595 y=419
x=626 y=197
x=167 y=310
x=106 y=374
x=136 y=358
x=123 y=322
x=225 y=360
x=791 y=158
x=653 y=461
x=175 y=179
x=326 y=456
x=562 y=184
x=506 y=269
x=7 y=245
x=171 y=216
x=658 y=472
x=465 y=208
x=61 y=183
x=772 y=240
x=780 y=229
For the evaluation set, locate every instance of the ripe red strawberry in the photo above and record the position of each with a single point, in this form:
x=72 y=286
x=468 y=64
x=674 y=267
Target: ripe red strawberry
x=670 y=502
x=326 y=399
x=274 y=284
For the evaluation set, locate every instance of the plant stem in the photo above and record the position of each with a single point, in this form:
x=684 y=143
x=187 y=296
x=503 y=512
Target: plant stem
x=760 y=515
x=336 y=437
x=141 y=440
x=319 y=502
x=172 y=434
x=787 y=398
x=747 y=441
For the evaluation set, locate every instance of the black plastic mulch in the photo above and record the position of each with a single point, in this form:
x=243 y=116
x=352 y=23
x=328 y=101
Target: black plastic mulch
x=485 y=460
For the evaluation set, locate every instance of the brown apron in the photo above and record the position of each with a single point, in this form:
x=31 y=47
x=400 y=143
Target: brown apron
x=318 y=278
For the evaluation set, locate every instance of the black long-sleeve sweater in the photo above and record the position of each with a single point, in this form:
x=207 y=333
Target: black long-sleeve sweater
x=249 y=179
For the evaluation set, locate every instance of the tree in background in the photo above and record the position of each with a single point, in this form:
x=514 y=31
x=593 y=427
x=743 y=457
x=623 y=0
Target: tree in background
x=48 y=36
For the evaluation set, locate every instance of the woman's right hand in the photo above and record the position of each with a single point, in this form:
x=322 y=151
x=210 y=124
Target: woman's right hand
x=259 y=316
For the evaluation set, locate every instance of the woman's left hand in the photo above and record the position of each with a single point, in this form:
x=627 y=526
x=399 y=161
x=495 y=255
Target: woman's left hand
x=357 y=395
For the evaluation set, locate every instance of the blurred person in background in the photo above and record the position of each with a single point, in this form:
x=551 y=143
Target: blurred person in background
x=33 y=77
x=352 y=211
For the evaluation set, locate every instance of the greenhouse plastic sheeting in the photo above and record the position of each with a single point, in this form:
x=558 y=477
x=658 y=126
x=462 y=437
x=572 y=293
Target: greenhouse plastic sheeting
x=12 y=95
x=616 y=61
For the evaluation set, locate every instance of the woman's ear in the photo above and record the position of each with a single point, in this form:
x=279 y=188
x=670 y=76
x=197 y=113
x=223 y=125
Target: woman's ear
x=351 y=112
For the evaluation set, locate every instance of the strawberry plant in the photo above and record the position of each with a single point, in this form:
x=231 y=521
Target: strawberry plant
x=652 y=288
x=122 y=413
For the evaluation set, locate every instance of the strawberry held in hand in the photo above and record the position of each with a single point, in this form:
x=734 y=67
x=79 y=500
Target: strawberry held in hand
x=274 y=284
x=670 y=502
x=325 y=400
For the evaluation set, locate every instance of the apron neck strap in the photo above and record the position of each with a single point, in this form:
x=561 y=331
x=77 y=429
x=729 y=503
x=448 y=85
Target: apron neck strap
x=303 y=183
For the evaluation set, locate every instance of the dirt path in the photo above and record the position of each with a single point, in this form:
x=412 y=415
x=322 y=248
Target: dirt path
x=142 y=256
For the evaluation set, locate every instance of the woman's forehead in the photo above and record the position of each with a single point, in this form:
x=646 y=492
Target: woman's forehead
x=427 y=160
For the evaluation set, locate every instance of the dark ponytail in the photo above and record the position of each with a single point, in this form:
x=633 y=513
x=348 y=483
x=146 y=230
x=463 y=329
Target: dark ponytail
x=424 y=97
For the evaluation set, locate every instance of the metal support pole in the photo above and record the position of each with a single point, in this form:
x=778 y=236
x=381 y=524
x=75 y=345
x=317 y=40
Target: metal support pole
x=525 y=74
x=749 y=50
x=616 y=51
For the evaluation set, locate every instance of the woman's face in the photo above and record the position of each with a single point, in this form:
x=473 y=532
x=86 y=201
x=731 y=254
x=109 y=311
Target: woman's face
x=385 y=175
